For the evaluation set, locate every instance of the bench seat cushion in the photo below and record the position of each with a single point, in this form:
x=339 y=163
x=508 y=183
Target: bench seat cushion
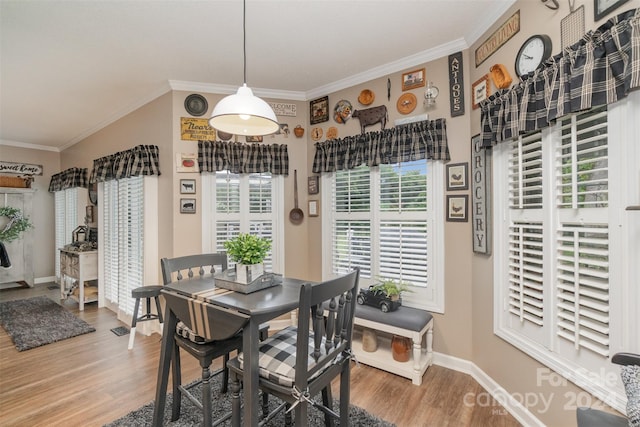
x=412 y=319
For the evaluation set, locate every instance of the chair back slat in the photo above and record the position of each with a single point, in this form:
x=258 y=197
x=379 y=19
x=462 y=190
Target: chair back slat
x=181 y=266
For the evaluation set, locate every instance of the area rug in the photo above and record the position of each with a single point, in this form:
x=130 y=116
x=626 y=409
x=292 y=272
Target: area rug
x=37 y=321
x=191 y=416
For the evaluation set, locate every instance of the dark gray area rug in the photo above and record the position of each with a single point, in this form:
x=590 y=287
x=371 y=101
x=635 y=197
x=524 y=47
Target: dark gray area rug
x=37 y=321
x=191 y=416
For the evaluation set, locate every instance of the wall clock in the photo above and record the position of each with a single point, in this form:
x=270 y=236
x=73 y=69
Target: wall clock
x=534 y=51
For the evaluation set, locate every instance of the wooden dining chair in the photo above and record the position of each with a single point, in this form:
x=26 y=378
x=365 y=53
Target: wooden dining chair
x=299 y=362
x=205 y=331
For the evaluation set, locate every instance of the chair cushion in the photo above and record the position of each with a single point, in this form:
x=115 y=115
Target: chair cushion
x=277 y=361
x=631 y=379
x=184 y=331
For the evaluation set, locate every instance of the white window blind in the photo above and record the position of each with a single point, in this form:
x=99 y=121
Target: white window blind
x=559 y=295
x=66 y=213
x=380 y=221
x=122 y=246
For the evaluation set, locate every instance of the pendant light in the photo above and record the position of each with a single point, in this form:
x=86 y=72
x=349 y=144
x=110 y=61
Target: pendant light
x=243 y=113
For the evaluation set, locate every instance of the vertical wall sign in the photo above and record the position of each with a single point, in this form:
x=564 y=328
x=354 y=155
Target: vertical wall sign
x=456 y=84
x=481 y=196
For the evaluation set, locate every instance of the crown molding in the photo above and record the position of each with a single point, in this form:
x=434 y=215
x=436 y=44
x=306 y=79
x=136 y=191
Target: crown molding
x=28 y=145
x=489 y=20
x=228 y=90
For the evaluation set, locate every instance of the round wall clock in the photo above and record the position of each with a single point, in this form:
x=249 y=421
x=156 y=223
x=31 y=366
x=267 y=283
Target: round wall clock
x=534 y=51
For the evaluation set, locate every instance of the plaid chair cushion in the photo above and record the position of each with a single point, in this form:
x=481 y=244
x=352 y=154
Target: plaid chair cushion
x=184 y=331
x=277 y=361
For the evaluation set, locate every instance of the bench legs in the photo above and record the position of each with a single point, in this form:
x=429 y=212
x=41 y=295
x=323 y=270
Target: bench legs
x=420 y=364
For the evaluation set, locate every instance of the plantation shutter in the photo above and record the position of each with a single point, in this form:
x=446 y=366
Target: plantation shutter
x=351 y=230
x=525 y=237
x=582 y=300
x=66 y=216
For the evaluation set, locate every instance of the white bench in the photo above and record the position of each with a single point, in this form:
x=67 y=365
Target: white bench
x=408 y=322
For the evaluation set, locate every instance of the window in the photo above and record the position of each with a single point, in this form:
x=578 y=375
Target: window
x=66 y=211
x=384 y=220
x=566 y=254
x=243 y=203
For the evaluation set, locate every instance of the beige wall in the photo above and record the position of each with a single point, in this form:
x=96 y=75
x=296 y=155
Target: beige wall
x=43 y=218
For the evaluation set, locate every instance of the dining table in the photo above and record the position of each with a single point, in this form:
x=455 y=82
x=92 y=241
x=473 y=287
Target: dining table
x=260 y=306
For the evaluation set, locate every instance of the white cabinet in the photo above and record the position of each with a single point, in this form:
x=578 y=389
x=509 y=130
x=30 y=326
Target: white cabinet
x=76 y=269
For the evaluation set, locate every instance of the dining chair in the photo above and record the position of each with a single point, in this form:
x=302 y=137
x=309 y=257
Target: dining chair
x=204 y=331
x=298 y=362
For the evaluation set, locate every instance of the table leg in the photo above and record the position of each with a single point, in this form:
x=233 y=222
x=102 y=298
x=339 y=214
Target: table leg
x=250 y=376
x=168 y=341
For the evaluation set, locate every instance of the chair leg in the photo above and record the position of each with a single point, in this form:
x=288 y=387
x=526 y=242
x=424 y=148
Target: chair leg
x=132 y=333
x=345 y=380
x=265 y=404
x=159 y=308
x=287 y=416
x=327 y=401
x=225 y=375
x=177 y=381
x=206 y=396
x=234 y=387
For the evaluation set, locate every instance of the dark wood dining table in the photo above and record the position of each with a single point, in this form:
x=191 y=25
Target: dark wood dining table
x=261 y=306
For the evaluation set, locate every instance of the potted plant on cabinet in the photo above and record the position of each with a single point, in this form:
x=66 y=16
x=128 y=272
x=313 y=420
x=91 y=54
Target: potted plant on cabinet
x=248 y=251
x=385 y=294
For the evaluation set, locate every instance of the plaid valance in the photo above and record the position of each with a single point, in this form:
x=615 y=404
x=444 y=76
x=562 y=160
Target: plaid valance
x=241 y=158
x=599 y=69
x=140 y=160
x=413 y=141
x=70 y=178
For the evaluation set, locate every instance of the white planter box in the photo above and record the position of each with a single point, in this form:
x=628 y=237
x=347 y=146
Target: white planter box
x=248 y=273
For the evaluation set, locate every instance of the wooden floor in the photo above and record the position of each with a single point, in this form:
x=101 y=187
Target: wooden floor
x=93 y=379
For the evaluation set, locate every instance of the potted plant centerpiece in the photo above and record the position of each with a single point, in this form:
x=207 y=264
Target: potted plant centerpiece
x=248 y=251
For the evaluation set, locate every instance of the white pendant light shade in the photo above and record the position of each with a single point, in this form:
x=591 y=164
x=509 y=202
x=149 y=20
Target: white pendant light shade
x=244 y=114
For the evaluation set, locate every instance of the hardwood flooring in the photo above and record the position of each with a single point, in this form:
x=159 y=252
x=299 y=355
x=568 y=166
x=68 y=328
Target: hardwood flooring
x=93 y=379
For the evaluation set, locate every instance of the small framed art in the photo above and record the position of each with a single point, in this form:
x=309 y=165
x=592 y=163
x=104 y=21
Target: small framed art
x=313 y=208
x=319 y=110
x=458 y=176
x=187 y=186
x=413 y=79
x=480 y=91
x=313 y=185
x=601 y=8
x=188 y=206
x=457 y=208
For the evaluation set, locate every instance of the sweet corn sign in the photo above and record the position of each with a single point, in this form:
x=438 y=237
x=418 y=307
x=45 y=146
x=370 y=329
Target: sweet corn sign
x=192 y=129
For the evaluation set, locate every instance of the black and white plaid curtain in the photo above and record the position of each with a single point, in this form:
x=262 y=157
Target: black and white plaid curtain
x=600 y=69
x=140 y=160
x=241 y=158
x=70 y=178
x=413 y=141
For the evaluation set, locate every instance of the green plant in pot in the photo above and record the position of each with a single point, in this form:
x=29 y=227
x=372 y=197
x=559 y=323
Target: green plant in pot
x=392 y=288
x=248 y=251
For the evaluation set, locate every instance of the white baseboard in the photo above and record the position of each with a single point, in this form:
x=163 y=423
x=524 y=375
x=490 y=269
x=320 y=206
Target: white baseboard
x=48 y=279
x=515 y=408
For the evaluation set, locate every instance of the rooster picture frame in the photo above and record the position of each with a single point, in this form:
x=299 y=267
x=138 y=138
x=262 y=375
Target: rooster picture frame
x=457 y=208
x=458 y=176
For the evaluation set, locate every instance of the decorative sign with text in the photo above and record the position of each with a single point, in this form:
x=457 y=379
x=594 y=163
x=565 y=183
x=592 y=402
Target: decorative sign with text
x=480 y=201
x=20 y=168
x=456 y=84
x=192 y=129
x=498 y=38
x=282 y=109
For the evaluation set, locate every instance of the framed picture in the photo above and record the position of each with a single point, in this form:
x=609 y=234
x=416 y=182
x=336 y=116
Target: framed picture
x=188 y=206
x=480 y=91
x=187 y=186
x=89 y=213
x=313 y=208
x=458 y=176
x=250 y=138
x=313 y=185
x=457 y=208
x=319 y=110
x=413 y=79
x=187 y=162
x=601 y=8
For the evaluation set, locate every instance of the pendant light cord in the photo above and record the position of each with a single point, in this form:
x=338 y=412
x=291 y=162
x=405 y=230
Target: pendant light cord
x=244 y=38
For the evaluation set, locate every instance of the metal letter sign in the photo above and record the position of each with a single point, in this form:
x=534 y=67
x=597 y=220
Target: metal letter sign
x=481 y=192
x=456 y=84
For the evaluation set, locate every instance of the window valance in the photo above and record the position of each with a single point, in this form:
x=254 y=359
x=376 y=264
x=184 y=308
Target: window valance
x=69 y=178
x=599 y=69
x=243 y=158
x=413 y=141
x=140 y=160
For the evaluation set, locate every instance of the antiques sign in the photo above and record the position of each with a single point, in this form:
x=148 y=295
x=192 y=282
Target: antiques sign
x=498 y=38
x=456 y=84
x=480 y=202
x=20 y=168
x=282 y=109
x=192 y=129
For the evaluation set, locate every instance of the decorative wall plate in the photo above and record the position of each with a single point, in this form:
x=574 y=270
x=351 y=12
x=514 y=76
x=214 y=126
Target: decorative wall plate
x=224 y=136
x=342 y=111
x=196 y=105
x=316 y=134
x=366 y=97
x=406 y=103
x=332 y=132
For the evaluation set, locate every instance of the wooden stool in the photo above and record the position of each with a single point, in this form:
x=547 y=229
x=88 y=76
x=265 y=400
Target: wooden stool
x=146 y=292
